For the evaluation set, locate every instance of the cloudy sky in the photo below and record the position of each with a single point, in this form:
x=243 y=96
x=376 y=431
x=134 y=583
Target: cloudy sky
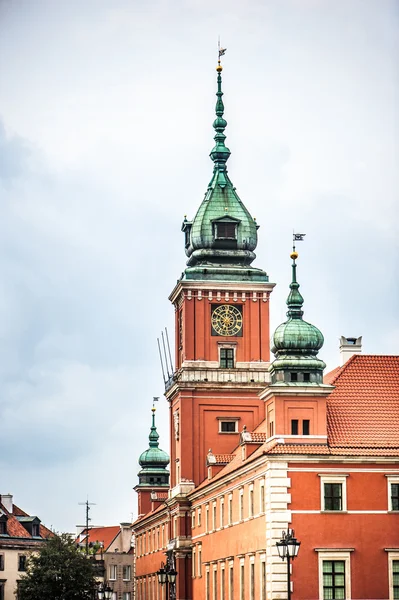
x=106 y=110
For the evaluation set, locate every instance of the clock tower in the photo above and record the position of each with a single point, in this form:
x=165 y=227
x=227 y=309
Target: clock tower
x=221 y=325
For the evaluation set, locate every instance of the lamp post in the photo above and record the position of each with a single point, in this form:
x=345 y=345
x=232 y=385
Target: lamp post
x=167 y=576
x=288 y=548
x=104 y=592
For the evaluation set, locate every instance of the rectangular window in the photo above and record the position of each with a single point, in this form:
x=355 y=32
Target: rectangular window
x=262 y=497
x=126 y=596
x=225 y=231
x=222 y=584
x=22 y=562
x=207 y=585
x=207 y=518
x=333 y=496
x=113 y=572
x=306 y=376
x=333 y=580
x=215 y=585
x=3 y=526
x=2 y=583
x=230 y=509
x=214 y=516
x=199 y=518
x=226 y=358
x=193 y=563
x=35 y=529
x=395 y=579
x=1 y=562
x=271 y=429
x=263 y=580
x=228 y=426
x=242 y=582
x=294 y=427
x=231 y=582
x=305 y=427
x=251 y=501
x=294 y=376
x=394 y=496
x=241 y=505
x=222 y=512
x=200 y=561
x=193 y=519
x=252 y=581
x=127 y=572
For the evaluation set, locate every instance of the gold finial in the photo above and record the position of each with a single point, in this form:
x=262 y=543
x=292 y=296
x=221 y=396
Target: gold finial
x=294 y=255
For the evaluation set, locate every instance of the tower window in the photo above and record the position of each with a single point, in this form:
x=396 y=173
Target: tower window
x=305 y=427
x=333 y=496
x=294 y=376
x=294 y=427
x=225 y=231
x=306 y=376
x=226 y=358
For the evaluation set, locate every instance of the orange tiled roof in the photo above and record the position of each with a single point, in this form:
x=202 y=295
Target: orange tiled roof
x=363 y=409
x=16 y=530
x=106 y=535
x=223 y=459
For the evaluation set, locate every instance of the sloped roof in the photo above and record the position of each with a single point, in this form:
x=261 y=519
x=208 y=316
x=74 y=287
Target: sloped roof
x=363 y=409
x=106 y=535
x=15 y=529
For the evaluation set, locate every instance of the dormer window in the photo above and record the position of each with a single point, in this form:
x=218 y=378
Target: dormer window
x=3 y=525
x=225 y=230
x=35 y=530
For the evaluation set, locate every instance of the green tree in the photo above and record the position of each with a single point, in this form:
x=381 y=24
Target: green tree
x=58 y=571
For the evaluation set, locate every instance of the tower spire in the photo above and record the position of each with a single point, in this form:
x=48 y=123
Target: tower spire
x=219 y=153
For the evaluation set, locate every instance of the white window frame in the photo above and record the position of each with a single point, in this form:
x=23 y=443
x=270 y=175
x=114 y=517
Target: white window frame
x=262 y=497
x=199 y=570
x=129 y=568
x=222 y=515
x=222 y=581
x=207 y=518
x=214 y=515
x=215 y=582
x=228 y=420
x=251 y=500
x=335 y=554
x=193 y=519
x=241 y=504
x=230 y=510
x=331 y=478
x=262 y=571
x=242 y=579
x=193 y=559
x=231 y=572
x=252 y=580
x=113 y=570
x=392 y=555
x=391 y=479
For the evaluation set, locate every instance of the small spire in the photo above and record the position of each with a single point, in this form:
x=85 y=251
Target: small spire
x=220 y=153
x=295 y=299
x=154 y=435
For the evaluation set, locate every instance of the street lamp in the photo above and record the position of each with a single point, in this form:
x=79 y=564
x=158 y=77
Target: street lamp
x=104 y=592
x=167 y=575
x=288 y=548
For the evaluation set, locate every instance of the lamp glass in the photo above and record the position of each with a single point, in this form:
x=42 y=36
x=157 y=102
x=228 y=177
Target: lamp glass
x=172 y=576
x=108 y=593
x=161 y=576
x=282 y=549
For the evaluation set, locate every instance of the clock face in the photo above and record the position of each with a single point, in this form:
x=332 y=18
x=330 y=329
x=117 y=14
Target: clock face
x=226 y=320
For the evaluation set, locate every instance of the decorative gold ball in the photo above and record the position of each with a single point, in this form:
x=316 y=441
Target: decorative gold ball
x=294 y=255
x=219 y=68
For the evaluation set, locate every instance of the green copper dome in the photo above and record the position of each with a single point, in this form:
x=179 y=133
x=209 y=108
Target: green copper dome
x=154 y=461
x=221 y=240
x=296 y=343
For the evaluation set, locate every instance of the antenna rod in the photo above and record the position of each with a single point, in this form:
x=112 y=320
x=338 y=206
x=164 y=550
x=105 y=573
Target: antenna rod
x=164 y=351
x=87 y=504
x=170 y=355
x=160 y=356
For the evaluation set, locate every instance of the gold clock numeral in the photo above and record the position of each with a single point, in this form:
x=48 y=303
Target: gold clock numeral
x=227 y=320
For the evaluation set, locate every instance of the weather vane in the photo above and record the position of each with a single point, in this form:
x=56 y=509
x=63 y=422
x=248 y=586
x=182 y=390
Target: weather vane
x=154 y=399
x=221 y=51
x=297 y=237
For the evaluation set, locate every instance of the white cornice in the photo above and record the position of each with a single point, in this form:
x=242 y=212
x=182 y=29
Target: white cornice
x=220 y=286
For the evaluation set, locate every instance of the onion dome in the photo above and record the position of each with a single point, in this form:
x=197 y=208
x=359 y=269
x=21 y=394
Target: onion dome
x=154 y=461
x=221 y=240
x=296 y=342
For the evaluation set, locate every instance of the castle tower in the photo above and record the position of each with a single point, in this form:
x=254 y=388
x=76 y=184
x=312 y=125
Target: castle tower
x=153 y=476
x=296 y=398
x=221 y=324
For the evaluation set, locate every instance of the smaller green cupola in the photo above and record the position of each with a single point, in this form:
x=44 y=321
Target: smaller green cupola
x=153 y=462
x=296 y=343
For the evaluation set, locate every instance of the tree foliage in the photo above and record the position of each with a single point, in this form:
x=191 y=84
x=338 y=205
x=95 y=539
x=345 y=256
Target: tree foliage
x=58 y=571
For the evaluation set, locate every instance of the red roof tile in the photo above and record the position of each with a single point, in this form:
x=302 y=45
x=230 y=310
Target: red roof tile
x=363 y=409
x=223 y=459
x=106 y=535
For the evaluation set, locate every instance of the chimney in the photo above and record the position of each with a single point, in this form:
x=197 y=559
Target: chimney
x=6 y=500
x=348 y=347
